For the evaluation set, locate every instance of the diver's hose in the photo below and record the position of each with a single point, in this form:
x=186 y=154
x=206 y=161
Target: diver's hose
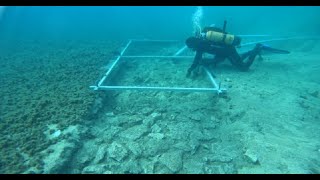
x=224 y=26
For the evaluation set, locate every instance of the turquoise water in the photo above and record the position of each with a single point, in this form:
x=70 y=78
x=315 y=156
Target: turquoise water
x=52 y=122
x=154 y=22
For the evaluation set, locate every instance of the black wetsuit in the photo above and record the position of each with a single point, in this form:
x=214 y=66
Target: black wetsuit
x=221 y=52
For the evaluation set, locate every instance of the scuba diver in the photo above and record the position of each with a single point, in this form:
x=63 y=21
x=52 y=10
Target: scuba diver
x=217 y=41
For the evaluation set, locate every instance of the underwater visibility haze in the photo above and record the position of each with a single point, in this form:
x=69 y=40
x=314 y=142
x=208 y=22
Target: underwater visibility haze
x=103 y=90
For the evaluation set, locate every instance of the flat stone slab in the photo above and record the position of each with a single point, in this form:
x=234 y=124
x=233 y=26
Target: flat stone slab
x=134 y=132
x=173 y=160
x=117 y=151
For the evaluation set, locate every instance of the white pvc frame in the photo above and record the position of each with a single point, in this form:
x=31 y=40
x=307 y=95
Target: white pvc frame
x=216 y=87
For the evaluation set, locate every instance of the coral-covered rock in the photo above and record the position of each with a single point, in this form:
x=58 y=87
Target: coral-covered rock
x=100 y=155
x=95 y=169
x=117 y=151
x=59 y=158
x=173 y=160
x=134 y=132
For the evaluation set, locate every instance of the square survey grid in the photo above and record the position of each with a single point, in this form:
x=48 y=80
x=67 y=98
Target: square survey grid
x=162 y=55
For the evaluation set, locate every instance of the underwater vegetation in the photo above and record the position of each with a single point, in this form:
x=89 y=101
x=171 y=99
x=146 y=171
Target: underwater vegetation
x=43 y=84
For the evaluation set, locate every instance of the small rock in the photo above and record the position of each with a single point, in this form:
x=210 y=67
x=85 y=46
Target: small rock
x=209 y=124
x=63 y=151
x=75 y=171
x=173 y=160
x=86 y=154
x=229 y=169
x=134 y=132
x=107 y=172
x=147 y=166
x=117 y=151
x=118 y=108
x=224 y=168
x=156 y=116
x=153 y=147
x=109 y=114
x=182 y=146
x=192 y=165
x=196 y=135
x=219 y=158
x=73 y=130
x=155 y=128
x=172 y=117
x=55 y=134
x=156 y=135
x=100 y=154
x=109 y=134
x=131 y=166
x=253 y=157
x=197 y=116
x=146 y=111
x=32 y=170
x=214 y=120
x=303 y=104
x=125 y=121
x=215 y=169
x=97 y=105
x=162 y=110
x=237 y=116
x=52 y=132
x=99 y=140
x=303 y=97
x=94 y=169
x=134 y=148
x=314 y=94
x=148 y=121
x=228 y=80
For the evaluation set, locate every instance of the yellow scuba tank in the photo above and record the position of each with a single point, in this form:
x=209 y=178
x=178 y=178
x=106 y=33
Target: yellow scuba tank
x=222 y=38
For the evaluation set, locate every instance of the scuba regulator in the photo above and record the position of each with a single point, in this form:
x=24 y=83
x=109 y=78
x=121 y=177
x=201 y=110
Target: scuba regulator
x=221 y=37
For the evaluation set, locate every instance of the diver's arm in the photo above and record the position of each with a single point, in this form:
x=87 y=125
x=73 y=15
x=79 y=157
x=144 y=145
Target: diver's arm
x=196 y=62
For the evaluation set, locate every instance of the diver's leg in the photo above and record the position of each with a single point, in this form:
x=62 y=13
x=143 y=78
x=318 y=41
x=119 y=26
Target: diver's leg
x=218 y=59
x=245 y=55
x=252 y=55
x=240 y=61
x=236 y=59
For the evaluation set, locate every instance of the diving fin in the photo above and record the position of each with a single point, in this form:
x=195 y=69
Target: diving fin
x=267 y=48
